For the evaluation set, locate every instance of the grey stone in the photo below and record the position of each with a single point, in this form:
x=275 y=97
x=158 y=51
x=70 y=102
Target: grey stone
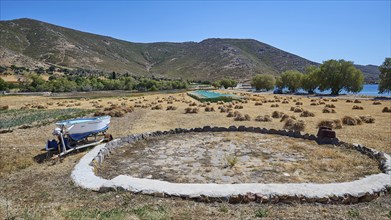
x=290 y=134
x=232 y=128
x=234 y=199
x=198 y=130
x=105 y=189
x=241 y=128
x=257 y=130
x=367 y=197
x=306 y=136
x=260 y=198
x=178 y=130
x=282 y=132
x=297 y=134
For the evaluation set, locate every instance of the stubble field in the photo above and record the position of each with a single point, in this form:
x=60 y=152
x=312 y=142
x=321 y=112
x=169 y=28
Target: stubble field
x=32 y=189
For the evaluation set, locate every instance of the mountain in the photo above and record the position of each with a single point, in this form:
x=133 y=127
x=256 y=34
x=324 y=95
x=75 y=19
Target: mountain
x=371 y=73
x=32 y=43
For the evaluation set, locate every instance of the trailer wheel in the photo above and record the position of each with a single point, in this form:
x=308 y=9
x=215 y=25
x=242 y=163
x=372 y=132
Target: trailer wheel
x=108 y=137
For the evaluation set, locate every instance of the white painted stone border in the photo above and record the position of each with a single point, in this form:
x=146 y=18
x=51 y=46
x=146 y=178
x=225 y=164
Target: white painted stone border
x=361 y=190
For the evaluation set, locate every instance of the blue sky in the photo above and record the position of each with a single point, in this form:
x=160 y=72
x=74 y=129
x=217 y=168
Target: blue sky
x=317 y=30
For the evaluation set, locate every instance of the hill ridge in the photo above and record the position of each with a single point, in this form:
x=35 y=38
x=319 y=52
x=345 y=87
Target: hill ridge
x=32 y=42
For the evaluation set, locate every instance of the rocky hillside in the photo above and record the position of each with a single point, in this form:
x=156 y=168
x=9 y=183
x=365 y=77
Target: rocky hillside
x=27 y=42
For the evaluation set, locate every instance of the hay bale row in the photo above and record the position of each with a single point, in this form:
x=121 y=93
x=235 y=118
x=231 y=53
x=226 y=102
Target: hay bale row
x=328 y=110
x=277 y=114
x=4 y=107
x=334 y=124
x=357 y=107
x=386 y=109
x=329 y=106
x=296 y=109
x=115 y=111
x=191 y=110
x=157 y=107
x=286 y=117
x=352 y=121
x=367 y=119
x=171 y=108
x=209 y=109
x=307 y=113
x=294 y=125
x=240 y=117
x=265 y=118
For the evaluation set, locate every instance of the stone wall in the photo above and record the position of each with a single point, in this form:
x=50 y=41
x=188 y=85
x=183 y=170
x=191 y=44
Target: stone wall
x=363 y=190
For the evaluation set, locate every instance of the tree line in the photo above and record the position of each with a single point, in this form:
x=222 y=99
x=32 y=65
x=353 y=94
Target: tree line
x=33 y=82
x=334 y=75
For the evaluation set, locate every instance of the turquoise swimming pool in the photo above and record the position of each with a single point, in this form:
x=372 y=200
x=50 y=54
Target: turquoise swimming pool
x=210 y=94
x=206 y=95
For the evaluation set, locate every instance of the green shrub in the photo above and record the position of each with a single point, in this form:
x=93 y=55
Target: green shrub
x=261 y=213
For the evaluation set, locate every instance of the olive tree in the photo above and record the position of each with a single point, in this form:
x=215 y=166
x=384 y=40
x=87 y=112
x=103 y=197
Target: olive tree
x=385 y=76
x=340 y=74
x=291 y=79
x=309 y=81
x=263 y=81
x=226 y=83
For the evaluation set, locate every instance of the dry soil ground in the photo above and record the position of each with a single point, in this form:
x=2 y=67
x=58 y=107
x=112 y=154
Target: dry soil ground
x=32 y=190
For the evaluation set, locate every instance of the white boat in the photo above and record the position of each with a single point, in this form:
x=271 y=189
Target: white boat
x=73 y=134
x=82 y=127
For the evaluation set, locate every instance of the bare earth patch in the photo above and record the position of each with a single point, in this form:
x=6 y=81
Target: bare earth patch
x=236 y=157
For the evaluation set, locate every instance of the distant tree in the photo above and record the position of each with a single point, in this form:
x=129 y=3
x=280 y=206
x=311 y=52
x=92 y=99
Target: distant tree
x=309 y=81
x=263 y=81
x=216 y=84
x=340 y=74
x=129 y=83
x=385 y=76
x=3 y=69
x=279 y=83
x=3 y=85
x=51 y=69
x=291 y=79
x=113 y=75
x=40 y=70
x=227 y=83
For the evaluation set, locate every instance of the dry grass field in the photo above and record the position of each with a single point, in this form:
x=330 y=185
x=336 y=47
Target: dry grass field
x=31 y=189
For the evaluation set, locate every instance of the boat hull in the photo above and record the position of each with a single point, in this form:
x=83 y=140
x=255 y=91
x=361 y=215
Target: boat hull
x=84 y=125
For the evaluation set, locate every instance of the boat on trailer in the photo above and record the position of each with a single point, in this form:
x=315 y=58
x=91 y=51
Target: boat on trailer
x=77 y=133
